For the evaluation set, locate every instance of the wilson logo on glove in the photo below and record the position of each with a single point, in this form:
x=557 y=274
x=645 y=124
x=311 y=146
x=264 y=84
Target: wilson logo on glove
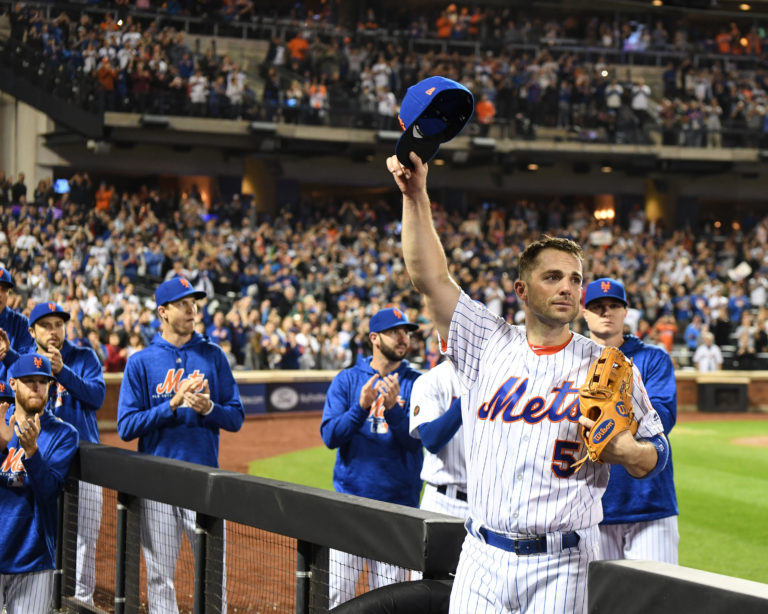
x=605 y=429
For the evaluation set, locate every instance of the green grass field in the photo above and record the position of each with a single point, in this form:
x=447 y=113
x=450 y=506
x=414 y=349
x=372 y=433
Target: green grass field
x=722 y=491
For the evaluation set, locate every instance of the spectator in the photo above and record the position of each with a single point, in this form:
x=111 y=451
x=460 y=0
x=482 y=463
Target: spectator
x=708 y=356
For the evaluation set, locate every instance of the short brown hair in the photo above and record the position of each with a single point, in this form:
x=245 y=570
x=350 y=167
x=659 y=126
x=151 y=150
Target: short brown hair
x=531 y=253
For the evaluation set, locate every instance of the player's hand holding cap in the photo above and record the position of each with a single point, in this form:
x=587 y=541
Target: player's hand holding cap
x=433 y=112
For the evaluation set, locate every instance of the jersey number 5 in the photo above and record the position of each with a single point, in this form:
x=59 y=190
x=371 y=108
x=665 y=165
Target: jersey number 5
x=563 y=457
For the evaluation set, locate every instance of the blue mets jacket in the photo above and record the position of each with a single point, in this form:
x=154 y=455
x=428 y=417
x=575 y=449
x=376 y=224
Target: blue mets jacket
x=628 y=499
x=16 y=325
x=80 y=390
x=151 y=378
x=29 y=490
x=377 y=458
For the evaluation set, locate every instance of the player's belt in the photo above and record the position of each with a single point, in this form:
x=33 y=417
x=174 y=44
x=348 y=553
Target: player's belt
x=534 y=545
x=458 y=494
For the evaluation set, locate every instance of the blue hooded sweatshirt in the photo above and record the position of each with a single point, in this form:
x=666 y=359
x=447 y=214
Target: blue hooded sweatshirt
x=377 y=457
x=628 y=499
x=151 y=378
x=29 y=491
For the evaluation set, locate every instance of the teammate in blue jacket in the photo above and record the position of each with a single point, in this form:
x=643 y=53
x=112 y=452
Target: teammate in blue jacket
x=639 y=516
x=79 y=393
x=36 y=450
x=14 y=327
x=175 y=396
x=366 y=418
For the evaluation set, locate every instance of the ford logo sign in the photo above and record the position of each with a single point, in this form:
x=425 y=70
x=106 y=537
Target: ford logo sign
x=284 y=398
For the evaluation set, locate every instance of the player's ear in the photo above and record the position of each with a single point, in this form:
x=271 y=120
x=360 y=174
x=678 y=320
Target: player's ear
x=521 y=289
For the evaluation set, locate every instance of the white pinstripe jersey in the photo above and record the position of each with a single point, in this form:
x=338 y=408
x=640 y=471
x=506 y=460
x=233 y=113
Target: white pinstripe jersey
x=433 y=394
x=521 y=426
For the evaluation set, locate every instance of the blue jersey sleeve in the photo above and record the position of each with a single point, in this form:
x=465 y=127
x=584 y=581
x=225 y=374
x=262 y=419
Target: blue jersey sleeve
x=228 y=412
x=342 y=414
x=135 y=414
x=662 y=451
x=88 y=388
x=436 y=434
x=397 y=418
x=659 y=380
x=47 y=471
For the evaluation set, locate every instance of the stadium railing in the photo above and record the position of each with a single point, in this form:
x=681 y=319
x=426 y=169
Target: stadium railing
x=277 y=536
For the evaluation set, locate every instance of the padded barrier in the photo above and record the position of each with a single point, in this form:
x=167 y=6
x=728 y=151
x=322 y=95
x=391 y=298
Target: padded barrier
x=419 y=597
x=641 y=587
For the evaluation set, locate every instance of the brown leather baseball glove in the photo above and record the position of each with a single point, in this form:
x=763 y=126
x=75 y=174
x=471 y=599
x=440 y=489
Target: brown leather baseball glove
x=606 y=398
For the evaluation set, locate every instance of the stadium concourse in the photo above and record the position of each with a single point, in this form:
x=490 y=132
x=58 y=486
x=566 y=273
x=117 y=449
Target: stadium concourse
x=704 y=87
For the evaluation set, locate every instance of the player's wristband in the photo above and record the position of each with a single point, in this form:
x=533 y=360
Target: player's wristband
x=210 y=407
x=662 y=451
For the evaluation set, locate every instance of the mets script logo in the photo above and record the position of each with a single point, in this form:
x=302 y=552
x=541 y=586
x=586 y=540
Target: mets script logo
x=621 y=409
x=430 y=91
x=2 y=386
x=602 y=431
x=184 y=282
x=52 y=306
x=12 y=463
x=398 y=313
x=506 y=400
x=170 y=384
x=38 y=362
x=605 y=286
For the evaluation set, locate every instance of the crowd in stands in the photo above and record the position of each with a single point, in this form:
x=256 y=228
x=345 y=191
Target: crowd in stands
x=527 y=70
x=295 y=290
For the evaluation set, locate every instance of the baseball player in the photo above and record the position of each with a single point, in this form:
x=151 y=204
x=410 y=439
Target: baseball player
x=79 y=393
x=175 y=396
x=436 y=420
x=532 y=527
x=639 y=516
x=366 y=418
x=36 y=450
x=14 y=327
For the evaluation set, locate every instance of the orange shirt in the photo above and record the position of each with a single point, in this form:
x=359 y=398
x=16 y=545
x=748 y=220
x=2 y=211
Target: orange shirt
x=103 y=198
x=485 y=112
x=298 y=47
x=667 y=332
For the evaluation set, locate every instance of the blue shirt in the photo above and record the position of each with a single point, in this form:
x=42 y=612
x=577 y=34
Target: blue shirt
x=152 y=377
x=377 y=458
x=628 y=499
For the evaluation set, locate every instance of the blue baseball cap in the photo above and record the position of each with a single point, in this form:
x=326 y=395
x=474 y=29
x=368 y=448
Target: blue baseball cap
x=29 y=365
x=5 y=278
x=46 y=309
x=432 y=112
x=389 y=318
x=6 y=392
x=605 y=287
x=174 y=289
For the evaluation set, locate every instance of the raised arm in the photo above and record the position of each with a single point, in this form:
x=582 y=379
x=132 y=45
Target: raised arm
x=423 y=253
